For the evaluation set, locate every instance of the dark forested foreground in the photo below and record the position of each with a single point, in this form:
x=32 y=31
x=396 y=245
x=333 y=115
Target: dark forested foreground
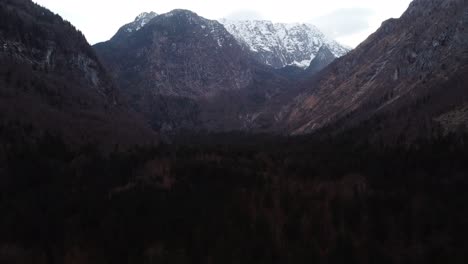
x=234 y=199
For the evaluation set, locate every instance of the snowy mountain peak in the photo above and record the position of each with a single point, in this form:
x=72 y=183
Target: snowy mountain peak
x=145 y=16
x=140 y=21
x=274 y=44
x=282 y=44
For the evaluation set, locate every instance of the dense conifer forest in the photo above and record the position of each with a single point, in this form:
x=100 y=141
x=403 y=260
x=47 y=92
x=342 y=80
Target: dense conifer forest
x=234 y=198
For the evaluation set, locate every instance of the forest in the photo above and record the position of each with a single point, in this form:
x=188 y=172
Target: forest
x=234 y=198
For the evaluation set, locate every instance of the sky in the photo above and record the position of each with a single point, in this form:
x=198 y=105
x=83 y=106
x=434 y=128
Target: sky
x=349 y=22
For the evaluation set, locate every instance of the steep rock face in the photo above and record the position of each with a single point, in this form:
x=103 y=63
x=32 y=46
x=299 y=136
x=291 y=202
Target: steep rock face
x=413 y=69
x=185 y=71
x=279 y=44
x=51 y=79
x=323 y=59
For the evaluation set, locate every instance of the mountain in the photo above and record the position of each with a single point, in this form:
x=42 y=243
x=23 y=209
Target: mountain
x=179 y=54
x=409 y=77
x=279 y=44
x=184 y=71
x=140 y=21
x=51 y=81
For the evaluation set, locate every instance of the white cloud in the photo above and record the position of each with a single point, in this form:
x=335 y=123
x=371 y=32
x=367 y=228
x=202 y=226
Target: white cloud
x=99 y=20
x=344 y=21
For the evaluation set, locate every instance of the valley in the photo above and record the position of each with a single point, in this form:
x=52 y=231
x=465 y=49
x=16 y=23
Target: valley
x=183 y=139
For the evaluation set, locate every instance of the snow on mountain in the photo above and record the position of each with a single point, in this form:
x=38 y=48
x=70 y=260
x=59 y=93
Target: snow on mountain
x=140 y=21
x=274 y=44
x=281 y=44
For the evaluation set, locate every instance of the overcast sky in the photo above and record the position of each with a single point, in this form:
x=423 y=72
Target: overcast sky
x=349 y=22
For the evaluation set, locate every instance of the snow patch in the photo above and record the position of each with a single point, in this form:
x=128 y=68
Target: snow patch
x=140 y=21
x=301 y=64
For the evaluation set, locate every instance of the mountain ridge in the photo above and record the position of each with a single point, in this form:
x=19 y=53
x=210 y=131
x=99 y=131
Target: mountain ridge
x=273 y=44
x=282 y=44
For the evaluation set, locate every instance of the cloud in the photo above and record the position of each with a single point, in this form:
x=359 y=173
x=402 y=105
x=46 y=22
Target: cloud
x=344 y=22
x=245 y=14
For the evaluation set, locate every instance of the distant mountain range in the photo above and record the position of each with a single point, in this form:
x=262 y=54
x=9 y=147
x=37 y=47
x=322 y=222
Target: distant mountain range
x=279 y=44
x=274 y=44
x=181 y=55
x=181 y=71
x=178 y=67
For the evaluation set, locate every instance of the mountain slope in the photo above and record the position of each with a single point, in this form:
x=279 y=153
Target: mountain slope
x=323 y=58
x=413 y=69
x=185 y=71
x=51 y=79
x=279 y=45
